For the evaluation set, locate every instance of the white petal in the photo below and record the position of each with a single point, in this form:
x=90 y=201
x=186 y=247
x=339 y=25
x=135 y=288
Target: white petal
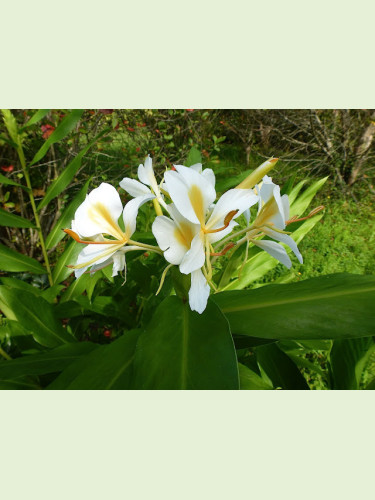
x=215 y=237
x=94 y=254
x=147 y=176
x=234 y=199
x=199 y=292
x=167 y=235
x=195 y=257
x=275 y=250
x=288 y=240
x=209 y=175
x=247 y=216
x=191 y=193
x=99 y=213
x=197 y=167
x=118 y=263
x=286 y=206
x=266 y=189
x=134 y=187
x=131 y=212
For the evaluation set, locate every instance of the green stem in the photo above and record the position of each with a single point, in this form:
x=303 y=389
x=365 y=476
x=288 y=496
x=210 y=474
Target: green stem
x=147 y=247
x=5 y=355
x=36 y=215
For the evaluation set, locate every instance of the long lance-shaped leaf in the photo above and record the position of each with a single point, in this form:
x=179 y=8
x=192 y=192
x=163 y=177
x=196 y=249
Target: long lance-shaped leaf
x=35 y=314
x=55 y=360
x=108 y=367
x=37 y=116
x=279 y=368
x=181 y=349
x=13 y=220
x=6 y=180
x=16 y=262
x=69 y=257
x=66 y=176
x=64 y=221
x=66 y=126
x=329 y=307
x=348 y=358
x=250 y=380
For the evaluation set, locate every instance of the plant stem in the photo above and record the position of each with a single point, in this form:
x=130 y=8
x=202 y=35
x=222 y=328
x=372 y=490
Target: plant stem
x=147 y=247
x=5 y=355
x=36 y=215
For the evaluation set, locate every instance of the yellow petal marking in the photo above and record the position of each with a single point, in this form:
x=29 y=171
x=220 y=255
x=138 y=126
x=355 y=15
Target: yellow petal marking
x=100 y=214
x=196 y=198
x=184 y=234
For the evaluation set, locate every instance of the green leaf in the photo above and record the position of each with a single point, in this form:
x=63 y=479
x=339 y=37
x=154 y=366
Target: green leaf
x=194 y=157
x=348 y=358
x=11 y=125
x=35 y=314
x=69 y=257
x=52 y=361
x=75 y=288
x=67 y=216
x=329 y=307
x=12 y=220
x=66 y=176
x=37 y=116
x=16 y=262
x=6 y=180
x=279 y=368
x=108 y=367
x=181 y=349
x=250 y=380
x=303 y=201
x=66 y=126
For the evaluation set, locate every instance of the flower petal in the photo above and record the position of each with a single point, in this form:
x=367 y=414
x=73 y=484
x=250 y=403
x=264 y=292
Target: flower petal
x=191 y=193
x=147 y=176
x=118 y=263
x=197 y=167
x=131 y=212
x=199 y=292
x=215 y=237
x=134 y=187
x=166 y=233
x=234 y=199
x=195 y=257
x=99 y=213
x=94 y=254
x=288 y=240
x=209 y=175
x=275 y=250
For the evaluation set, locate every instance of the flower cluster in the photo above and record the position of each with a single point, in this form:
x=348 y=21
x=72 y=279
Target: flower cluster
x=189 y=222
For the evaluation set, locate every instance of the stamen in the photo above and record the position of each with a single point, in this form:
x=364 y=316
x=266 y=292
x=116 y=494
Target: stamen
x=311 y=214
x=224 y=251
x=86 y=242
x=163 y=278
x=227 y=221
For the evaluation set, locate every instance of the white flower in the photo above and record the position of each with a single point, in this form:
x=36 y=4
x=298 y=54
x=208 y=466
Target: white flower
x=96 y=224
x=187 y=238
x=146 y=177
x=273 y=213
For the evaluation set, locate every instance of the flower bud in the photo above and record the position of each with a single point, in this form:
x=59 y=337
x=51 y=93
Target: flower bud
x=258 y=174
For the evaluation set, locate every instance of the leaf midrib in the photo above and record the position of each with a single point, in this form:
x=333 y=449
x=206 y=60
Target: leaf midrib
x=261 y=305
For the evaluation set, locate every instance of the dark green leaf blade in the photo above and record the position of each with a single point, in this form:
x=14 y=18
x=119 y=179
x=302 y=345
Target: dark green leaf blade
x=348 y=358
x=69 y=257
x=66 y=126
x=13 y=220
x=194 y=157
x=52 y=361
x=329 y=307
x=35 y=314
x=181 y=349
x=16 y=262
x=279 y=368
x=6 y=180
x=108 y=367
x=64 y=221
